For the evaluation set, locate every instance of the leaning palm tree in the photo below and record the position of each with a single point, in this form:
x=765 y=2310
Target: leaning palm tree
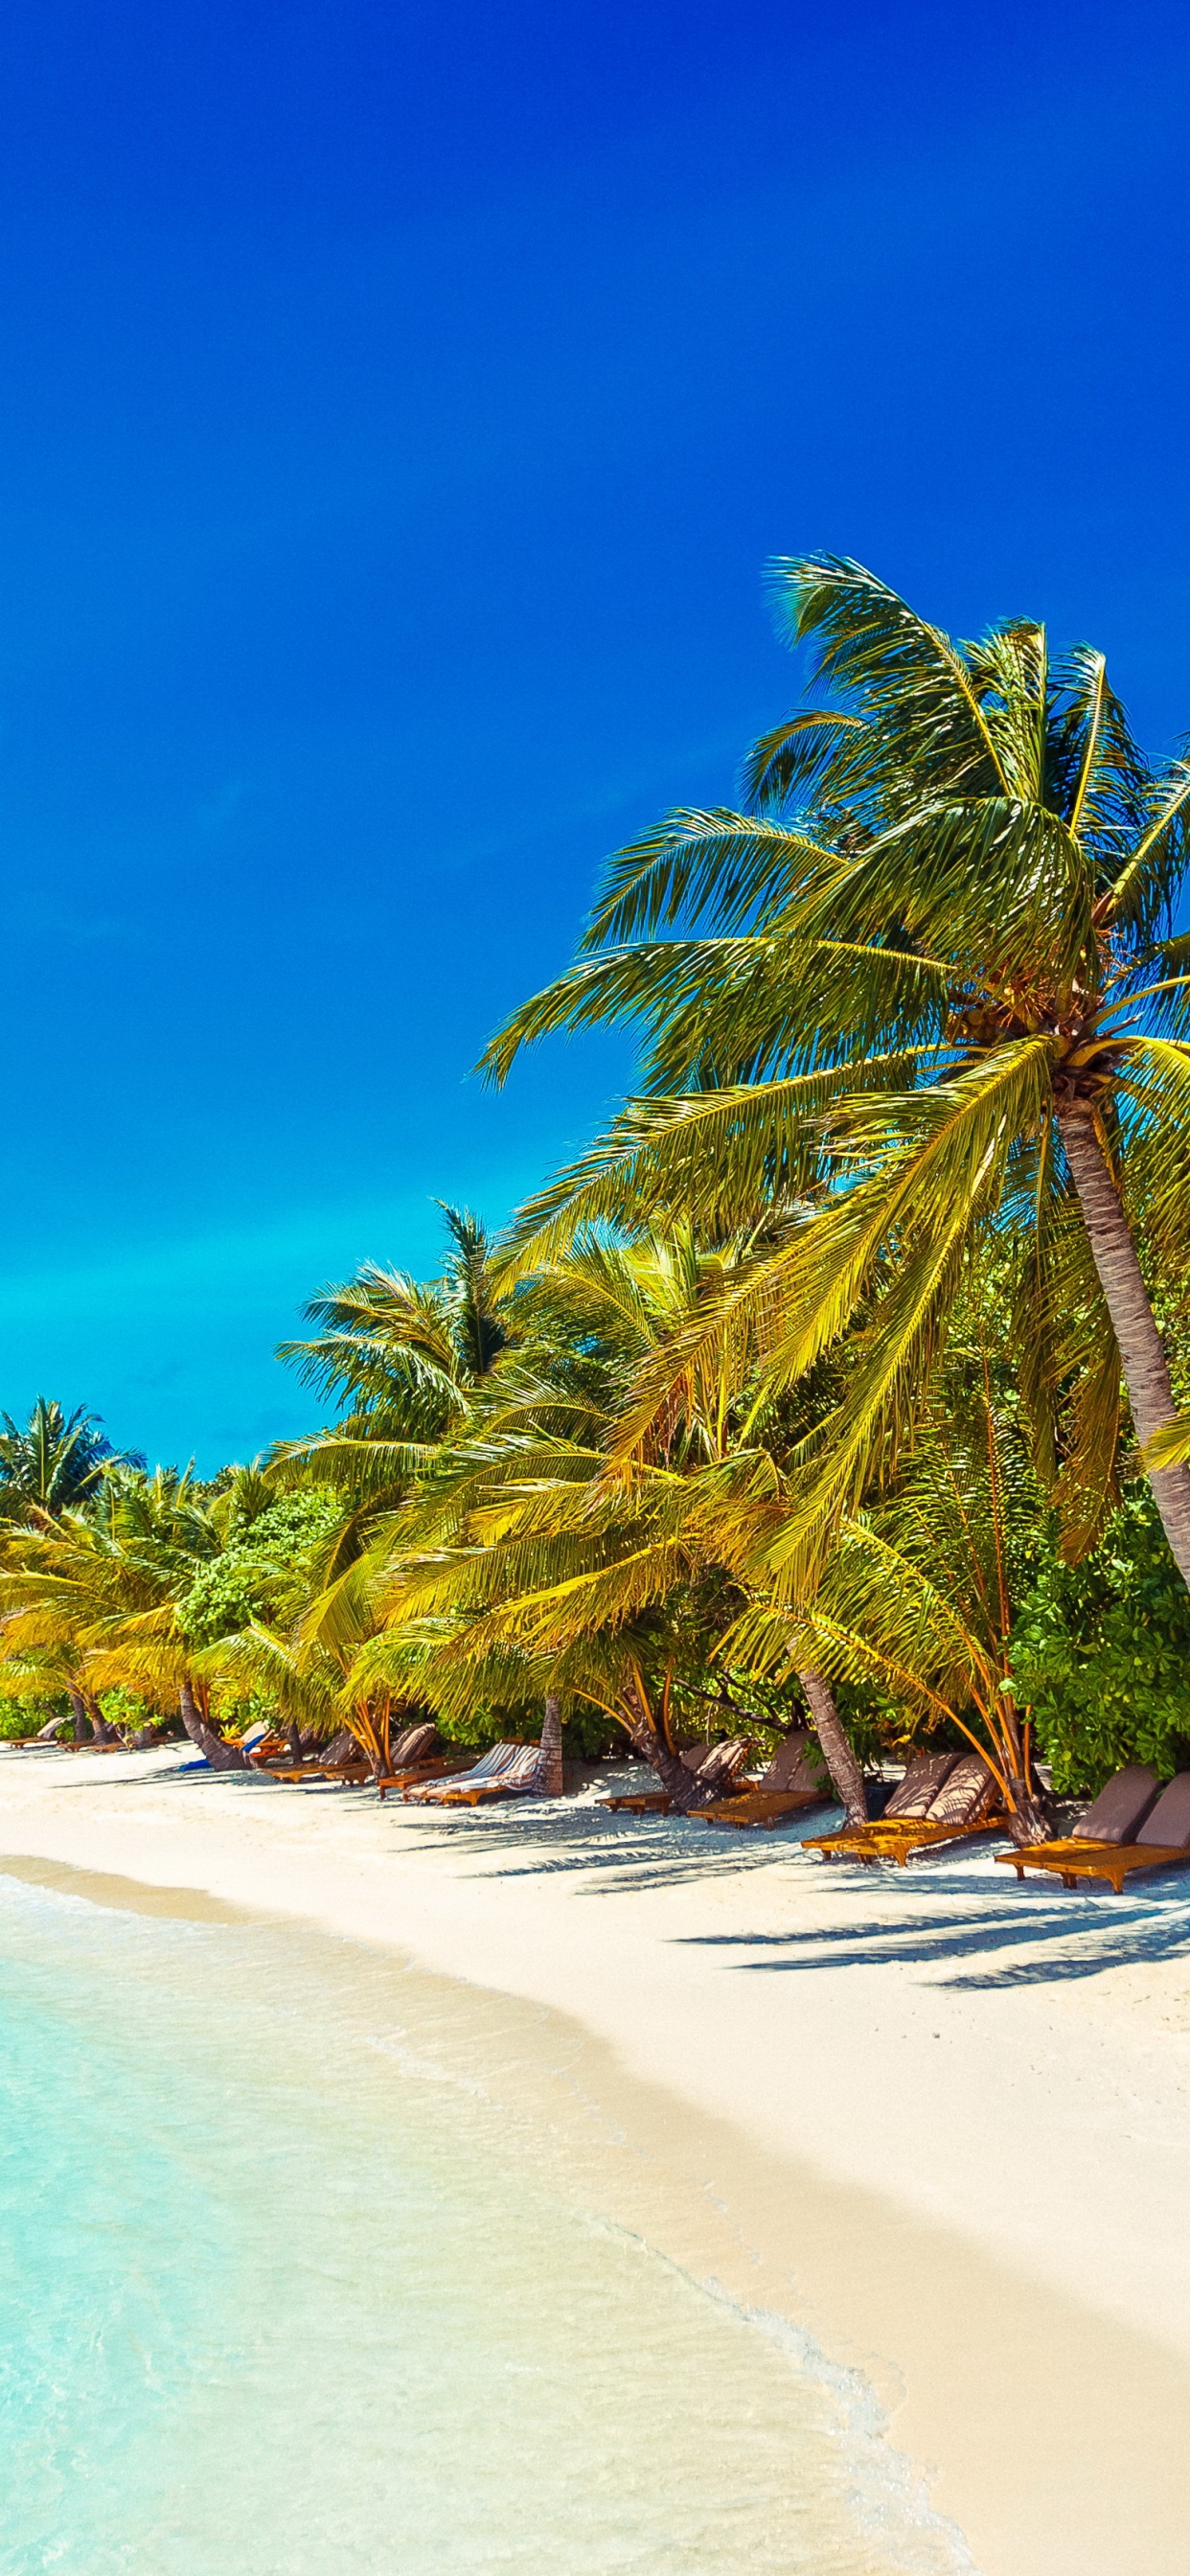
x=919 y=1593
x=930 y=979
x=533 y=1553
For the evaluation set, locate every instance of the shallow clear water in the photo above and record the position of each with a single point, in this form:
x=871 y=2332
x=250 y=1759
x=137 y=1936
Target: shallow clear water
x=273 y=2304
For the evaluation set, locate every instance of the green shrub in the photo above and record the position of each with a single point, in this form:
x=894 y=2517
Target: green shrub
x=1101 y=1653
x=262 y=1563
x=21 y=1718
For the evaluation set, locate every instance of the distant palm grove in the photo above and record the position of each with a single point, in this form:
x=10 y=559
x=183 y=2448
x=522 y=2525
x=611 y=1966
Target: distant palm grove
x=839 y=1382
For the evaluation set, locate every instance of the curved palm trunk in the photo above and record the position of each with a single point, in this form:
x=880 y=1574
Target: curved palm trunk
x=847 y=1780
x=78 y=1710
x=547 y=1779
x=221 y=1756
x=675 y=1777
x=105 y=1733
x=1142 y=1356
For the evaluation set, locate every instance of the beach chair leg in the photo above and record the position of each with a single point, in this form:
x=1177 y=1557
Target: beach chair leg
x=1069 y=1879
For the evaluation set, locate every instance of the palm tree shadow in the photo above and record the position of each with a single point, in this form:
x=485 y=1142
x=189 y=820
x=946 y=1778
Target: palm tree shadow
x=1065 y=1938
x=191 y=1768
x=625 y=1852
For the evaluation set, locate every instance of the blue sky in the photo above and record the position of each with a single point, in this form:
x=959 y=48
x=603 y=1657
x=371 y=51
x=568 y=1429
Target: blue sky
x=399 y=404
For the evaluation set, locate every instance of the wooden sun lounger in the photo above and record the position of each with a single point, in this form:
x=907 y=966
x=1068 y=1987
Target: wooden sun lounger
x=961 y=1786
x=1139 y=1818
x=353 y=1770
x=513 y=1785
x=763 y=1807
x=325 y=1774
x=290 y=1772
x=726 y=1758
x=504 y=1769
x=651 y=1802
x=898 y=1842
x=1114 y=1862
x=793 y=1782
x=512 y=1779
x=349 y=1775
x=439 y=1765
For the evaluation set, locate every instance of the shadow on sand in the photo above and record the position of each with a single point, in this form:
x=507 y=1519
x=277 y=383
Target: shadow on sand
x=975 y=1927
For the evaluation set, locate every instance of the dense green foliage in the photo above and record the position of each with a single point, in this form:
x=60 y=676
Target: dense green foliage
x=263 y=1566
x=1101 y=1651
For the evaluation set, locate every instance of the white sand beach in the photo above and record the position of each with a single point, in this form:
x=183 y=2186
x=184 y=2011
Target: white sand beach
x=938 y=2121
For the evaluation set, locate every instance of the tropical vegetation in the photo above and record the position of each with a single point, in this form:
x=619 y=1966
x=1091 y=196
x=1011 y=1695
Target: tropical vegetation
x=839 y=1380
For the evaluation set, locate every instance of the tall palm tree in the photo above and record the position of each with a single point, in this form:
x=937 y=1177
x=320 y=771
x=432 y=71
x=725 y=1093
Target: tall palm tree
x=52 y=1463
x=931 y=977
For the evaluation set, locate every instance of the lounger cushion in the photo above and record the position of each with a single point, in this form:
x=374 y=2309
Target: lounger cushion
x=921 y=1785
x=796 y=1765
x=1169 y=1821
x=1120 y=1809
x=512 y=1765
x=965 y=1794
x=414 y=1744
x=721 y=1760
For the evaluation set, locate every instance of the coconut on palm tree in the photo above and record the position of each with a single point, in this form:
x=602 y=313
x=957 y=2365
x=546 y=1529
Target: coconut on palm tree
x=930 y=976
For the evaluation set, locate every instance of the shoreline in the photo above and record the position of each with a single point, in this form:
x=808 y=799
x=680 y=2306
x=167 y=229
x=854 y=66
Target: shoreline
x=936 y=2123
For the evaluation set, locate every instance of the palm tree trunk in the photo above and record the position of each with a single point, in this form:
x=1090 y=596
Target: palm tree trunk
x=1029 y=1820
x=1142 y=1356
x=104 y=1732
x=547 y=1779
x=675 y=1776
x=847 y=1780
x=78 y=1708
x=221 y=1756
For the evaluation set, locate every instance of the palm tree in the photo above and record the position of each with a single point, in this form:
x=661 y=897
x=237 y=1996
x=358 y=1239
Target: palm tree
x=401 y=1359
x=929 y=977
x=919 y=1592
x=532 y=1561
x=52 y=1463
x=104 y=1588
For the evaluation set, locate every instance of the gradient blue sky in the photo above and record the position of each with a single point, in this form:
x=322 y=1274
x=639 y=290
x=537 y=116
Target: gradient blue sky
x=398 y=406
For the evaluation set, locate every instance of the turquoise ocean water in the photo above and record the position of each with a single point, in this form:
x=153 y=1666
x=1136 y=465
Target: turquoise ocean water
x=281 y=2294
